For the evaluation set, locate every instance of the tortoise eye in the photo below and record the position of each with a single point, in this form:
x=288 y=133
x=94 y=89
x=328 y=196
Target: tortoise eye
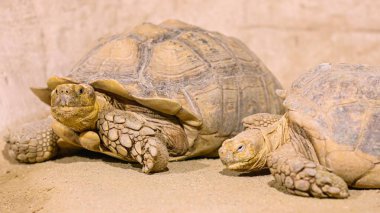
x=240 y=148
x=81 y=91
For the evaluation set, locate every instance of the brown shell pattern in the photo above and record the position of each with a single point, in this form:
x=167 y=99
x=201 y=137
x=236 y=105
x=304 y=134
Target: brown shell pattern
x=344 y=100
x=215 y=77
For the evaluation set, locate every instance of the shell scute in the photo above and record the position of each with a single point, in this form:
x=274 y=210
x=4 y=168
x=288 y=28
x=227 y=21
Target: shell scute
x=345 y=122
x=343 y=101
x=371 y=134
x=173 y=60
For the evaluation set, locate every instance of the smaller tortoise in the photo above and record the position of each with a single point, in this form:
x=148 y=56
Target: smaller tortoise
x=328 y=139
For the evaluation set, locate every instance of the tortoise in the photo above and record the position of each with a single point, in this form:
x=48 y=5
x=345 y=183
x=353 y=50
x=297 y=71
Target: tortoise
x=163 y=92
x=328 y=139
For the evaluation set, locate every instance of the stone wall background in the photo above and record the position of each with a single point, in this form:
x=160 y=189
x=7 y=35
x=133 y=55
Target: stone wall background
x=41 y=38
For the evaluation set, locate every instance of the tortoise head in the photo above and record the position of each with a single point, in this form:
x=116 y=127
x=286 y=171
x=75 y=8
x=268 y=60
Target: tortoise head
x=245 y=152
x=75 y=106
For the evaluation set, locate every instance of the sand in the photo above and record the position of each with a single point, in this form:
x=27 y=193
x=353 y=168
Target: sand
x=89 y=182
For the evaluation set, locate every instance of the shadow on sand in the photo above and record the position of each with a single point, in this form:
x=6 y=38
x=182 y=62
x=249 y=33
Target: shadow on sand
x=88 y=156
x=244 y=174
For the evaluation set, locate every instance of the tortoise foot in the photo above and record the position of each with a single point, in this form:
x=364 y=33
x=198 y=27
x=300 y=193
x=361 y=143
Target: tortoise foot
x=156 y=156
x=327 y=184
x=303 y=177
x=33 y=142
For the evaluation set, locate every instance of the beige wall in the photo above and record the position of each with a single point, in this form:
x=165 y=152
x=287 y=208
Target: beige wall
x=41 y=38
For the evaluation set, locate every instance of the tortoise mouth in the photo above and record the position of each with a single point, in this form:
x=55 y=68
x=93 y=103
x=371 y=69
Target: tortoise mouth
x=67 y=102
x=66 y=113
x=241 y=166
x=71 y=108
x=79 y=118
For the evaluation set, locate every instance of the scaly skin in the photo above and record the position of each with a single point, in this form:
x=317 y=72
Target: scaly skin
x=248 y=150
x=274 y=146
x=33 y=142
x=87 y=119
x=303 y=177
x=130 y=135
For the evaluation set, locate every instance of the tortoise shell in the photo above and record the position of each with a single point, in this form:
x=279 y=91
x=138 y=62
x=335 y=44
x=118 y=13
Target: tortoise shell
x=339 y=106
x=209 y=81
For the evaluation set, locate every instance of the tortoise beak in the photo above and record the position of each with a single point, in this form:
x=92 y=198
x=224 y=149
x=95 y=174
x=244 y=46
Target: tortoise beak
x=63 y=100
x=224 y=154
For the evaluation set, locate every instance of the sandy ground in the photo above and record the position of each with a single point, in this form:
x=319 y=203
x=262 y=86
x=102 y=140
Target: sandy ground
x=88 y=182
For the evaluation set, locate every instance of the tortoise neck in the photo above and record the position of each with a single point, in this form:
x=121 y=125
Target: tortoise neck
x=259 y=161
x=77 y=118
x=105 y=102
x=301 y=142
x=276 y=135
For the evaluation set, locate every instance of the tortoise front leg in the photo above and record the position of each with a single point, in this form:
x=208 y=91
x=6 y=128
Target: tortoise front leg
x=260 y=120
x=88 y=140
x=33 y=142
x=303 y=177
x=126 y=134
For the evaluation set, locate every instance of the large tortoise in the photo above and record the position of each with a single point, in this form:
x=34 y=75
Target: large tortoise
x=171 y=89
x=328 y=138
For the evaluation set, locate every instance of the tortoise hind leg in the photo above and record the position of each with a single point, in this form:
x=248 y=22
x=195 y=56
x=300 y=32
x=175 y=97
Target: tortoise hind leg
x=303 y=177
x=126 y=134
x=33 y=142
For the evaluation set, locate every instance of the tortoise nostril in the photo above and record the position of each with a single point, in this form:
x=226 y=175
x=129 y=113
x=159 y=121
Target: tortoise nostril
x=221 y=151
